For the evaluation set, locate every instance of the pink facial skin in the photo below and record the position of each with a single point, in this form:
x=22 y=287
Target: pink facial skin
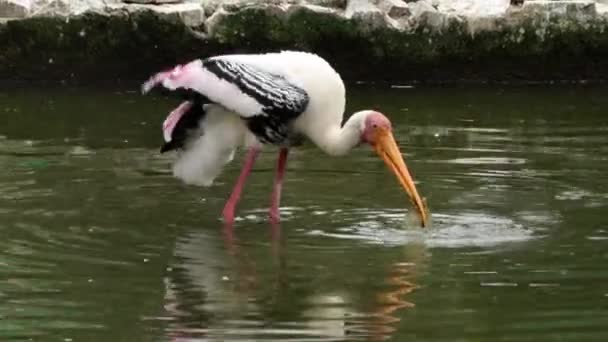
x=374 y=123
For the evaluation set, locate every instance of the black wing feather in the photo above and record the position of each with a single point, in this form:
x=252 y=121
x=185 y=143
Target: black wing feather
x=188 y=123
x=281 y=100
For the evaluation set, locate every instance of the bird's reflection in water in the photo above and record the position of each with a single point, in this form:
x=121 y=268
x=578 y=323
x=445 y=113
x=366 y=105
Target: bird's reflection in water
x=385 y=316
x=216 y=293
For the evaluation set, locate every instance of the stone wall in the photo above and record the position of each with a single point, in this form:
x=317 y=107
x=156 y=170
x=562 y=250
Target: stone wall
x=404 y=40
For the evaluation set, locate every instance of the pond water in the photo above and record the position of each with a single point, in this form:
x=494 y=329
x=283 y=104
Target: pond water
x=100 y=243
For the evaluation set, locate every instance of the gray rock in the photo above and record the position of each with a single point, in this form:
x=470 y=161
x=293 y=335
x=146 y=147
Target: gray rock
x=368 y=15
x=338 y=4
x=192 y=17
x=371 y=20
x=371 y=14
x=14 y=8
x=66 y=8
x=359 y=7
x=419 y=7
x=213 y=22
x=190 y=13
x=473 y=8
x=213 y=25
x=210 y=6
x=236 y=5
x=424 y=14
x=61 y=8
x=394 y=8
x=436 y=20
x=314 y=8
x=482 y=24
x=152 y=2
x=578 y=8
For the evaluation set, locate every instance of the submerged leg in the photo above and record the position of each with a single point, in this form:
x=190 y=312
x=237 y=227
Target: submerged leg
x=235 y=196
x=278 y=183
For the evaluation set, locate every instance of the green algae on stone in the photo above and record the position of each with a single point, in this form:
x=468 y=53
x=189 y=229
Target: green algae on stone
x=132 y=45
x=93 y=45
x=253 y=27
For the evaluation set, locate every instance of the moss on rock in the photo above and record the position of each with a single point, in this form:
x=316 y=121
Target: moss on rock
x=95 y=46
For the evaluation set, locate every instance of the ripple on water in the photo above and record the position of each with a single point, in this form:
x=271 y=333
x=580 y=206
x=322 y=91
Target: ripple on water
x=486 y=160
x=448 y=230
x=217 y=291
x=587 y=198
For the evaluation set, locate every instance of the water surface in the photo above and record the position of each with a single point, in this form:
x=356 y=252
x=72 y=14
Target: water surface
x=100 y=243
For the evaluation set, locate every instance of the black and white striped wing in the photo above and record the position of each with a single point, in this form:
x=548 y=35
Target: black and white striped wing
x=273 y=93
x=275 y=101
x=267 y=101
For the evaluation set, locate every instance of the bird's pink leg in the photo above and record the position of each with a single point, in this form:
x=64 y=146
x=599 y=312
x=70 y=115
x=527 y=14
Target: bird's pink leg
x=275 y=200
x=235 y=196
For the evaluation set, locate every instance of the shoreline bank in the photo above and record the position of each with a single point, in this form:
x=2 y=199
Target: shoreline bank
x=539 y=41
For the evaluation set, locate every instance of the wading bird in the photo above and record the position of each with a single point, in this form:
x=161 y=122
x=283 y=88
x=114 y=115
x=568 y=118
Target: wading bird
x=266 y=99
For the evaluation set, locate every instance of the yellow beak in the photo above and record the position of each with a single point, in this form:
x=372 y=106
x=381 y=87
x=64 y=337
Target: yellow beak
x=387 y=149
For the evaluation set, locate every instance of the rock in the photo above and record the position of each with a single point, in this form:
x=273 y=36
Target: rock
x=366 y=14
x=394 y=38
x=435 y=20
x=570 y=8
x=210 y=6
x=424 y=14
x=474 y=8
x=359 y=6
x=53 y=8
x=190 y=13
x=225 y=25
x=152 y=2
x=602 y=7
x=394 y=8
x=236 y=5
x=370 y=20
x=214 y=20
x=419 y=7
x=312 y=8
x=337 y=4
x=65 y=8
x=14 y=8
x=482 y=24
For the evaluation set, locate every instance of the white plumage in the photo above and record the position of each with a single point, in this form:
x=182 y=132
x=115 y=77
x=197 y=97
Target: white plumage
x=323 y=84
x=204 y=155
x=256 y=100
x=195 y=77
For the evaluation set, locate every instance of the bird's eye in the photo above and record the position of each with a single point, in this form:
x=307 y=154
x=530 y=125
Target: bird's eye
x=375 y=126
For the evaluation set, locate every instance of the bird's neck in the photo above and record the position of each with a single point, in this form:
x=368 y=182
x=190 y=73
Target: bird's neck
x=338 y=141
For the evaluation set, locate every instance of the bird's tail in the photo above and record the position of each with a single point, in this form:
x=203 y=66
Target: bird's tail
x=202 y=158
x=200 y=165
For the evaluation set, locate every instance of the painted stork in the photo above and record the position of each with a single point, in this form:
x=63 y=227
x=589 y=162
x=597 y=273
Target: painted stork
x=266 y=99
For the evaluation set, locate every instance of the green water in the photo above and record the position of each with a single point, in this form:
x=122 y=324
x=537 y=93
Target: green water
x=99 y=243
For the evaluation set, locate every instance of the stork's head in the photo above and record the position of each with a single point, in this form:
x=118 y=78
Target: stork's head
x=377 y=131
